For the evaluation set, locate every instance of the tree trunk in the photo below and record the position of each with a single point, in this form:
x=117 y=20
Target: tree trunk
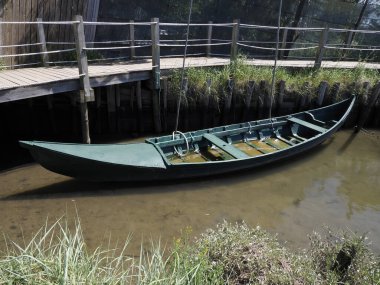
x=349 y=40
x=292 y=35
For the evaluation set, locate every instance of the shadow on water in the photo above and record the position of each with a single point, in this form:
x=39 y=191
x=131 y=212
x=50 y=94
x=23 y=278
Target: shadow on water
x=76 y=188
x=347 y=143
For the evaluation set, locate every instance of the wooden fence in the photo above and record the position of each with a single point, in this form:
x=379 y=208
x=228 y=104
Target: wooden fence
x=48 y=10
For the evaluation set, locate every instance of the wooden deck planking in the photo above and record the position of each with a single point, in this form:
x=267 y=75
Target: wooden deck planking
x=39 y=81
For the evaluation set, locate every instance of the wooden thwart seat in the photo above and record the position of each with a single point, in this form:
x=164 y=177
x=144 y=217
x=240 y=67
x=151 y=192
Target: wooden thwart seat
x=231 y=150
x=307 y=124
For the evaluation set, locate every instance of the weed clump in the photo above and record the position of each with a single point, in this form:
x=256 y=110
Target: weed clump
x=229 y=254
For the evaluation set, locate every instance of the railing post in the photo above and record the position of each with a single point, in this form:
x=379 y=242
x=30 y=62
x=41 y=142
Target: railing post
x=321 y=48
x=235 y=39
x=132 y=39
x=42 y=40
x=1 y=36
x=155 y=35
x=283 y=44
x=86 y=92
x=209 y=37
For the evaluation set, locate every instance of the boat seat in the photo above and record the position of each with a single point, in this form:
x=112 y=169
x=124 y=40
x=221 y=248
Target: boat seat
x=231 y=150
x=307 y=124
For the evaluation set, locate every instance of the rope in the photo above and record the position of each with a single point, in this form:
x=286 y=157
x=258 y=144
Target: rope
x=21 y=64
x=356 y=31
x=195 y=45
x=43 y=23
x=190 y=40
x=21 y=45
x=351 y=48
x=181 y=154
x=35 y=53
x=113 y=48
x=196 y=25
x=275 y=64
x=118 y=23
x=183 y=66
x=267 y=48
x=274 y=28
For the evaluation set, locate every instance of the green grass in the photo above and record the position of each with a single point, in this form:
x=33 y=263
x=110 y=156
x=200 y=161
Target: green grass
x=227 y=254
x=351 y=80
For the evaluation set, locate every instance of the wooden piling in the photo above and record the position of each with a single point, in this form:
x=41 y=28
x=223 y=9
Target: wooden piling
x=334 y=93
x=139 y=107
x=98 y=100
x=280 y=97
x=247 y=101
x=228 y=101
x=205 y=102
x=49 y=101
x=164 y=105
x=111 y=108
x=367 y=106
x=156 y=110
x=322 y=90
x=304 y=99
x=261 y=112
x=86 y=92
x=118 y=109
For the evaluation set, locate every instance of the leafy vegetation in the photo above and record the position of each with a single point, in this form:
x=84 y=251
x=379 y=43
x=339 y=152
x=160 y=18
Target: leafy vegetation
x=228 y=254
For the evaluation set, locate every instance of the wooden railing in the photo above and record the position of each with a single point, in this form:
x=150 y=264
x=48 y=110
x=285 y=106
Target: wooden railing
x=101 y=51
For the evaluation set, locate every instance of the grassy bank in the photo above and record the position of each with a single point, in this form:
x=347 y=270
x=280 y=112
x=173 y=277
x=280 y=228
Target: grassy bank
x=228 y=254
x=351 y=80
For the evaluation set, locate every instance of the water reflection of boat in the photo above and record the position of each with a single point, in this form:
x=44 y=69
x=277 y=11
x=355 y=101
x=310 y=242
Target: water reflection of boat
x=193 y=154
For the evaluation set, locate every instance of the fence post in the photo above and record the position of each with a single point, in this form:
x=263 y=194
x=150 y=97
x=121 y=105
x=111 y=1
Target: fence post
x=283 y=44
x=42 y=40
x=86 y=92
x=155 y=35
x=321 y=48
x=209 y=37
x=132 y=39
x=235 y=39
x=1 y=36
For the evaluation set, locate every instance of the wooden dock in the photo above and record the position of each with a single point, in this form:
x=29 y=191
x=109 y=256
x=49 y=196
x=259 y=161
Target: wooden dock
x=26 y=83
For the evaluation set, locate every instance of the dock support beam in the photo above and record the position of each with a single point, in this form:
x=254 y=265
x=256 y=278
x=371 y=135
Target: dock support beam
x=86 y=93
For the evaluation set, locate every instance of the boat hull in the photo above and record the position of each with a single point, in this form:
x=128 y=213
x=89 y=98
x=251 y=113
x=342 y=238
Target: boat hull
x=148 y=162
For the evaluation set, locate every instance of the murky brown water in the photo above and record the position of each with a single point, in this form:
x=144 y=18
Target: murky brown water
x=337 y=184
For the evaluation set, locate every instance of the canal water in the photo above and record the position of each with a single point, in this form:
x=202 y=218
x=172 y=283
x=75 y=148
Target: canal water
x=337 y=185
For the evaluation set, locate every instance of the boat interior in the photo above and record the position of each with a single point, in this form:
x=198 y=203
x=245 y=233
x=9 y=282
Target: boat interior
x=240 y=141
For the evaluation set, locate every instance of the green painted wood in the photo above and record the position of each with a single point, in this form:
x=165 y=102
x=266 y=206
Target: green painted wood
x=307 y=124
x=234 y=152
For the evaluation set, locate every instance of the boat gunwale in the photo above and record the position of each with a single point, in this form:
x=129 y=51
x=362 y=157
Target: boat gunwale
x=309 y=140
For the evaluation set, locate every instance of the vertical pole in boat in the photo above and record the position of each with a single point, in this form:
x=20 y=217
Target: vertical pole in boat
x=235 y=39
x=86 y=92
x=275 y=63
x=183 y=83
x=209 y=39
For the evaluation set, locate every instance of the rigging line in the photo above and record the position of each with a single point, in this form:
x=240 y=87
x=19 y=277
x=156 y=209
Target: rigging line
x=275 y=64
x=183 y=67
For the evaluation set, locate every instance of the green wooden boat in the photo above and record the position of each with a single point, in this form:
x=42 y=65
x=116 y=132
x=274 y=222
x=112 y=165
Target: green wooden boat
x=193 y=154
